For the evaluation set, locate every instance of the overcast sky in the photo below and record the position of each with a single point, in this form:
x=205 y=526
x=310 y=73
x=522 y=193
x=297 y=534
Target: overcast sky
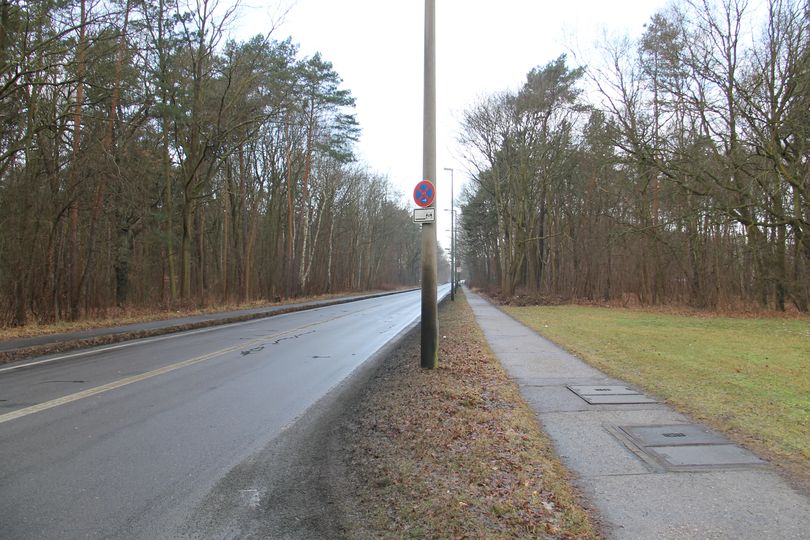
x=483 y=46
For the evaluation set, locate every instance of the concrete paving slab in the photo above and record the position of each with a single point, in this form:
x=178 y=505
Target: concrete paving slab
x=637 y=415
x=740 y=505
x=560 y=399
x=637 y=497
x=508 y=335
x=529 y=363
x=553 y=399
x=577 y=451
x=588 y=445
x=560 y=381
x=610 y=394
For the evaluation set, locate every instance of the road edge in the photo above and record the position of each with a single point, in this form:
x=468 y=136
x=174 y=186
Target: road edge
x=22 y=353
x=294 y=484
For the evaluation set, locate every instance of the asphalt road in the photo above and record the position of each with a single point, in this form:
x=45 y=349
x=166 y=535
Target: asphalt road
x=205 y=319
x=125 y=441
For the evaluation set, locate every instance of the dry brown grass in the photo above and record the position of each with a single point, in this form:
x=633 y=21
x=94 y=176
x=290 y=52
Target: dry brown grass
x=455 y=452
x=734 y=310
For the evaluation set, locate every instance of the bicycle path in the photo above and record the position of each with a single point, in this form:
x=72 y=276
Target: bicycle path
x=648 y=470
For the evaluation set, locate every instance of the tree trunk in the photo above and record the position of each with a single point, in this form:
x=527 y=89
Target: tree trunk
x=109 y=155
x=311 y=258
x=226 y=225
x=73 y=238
x=780 y=276
x=290 y=261
x=125 y=245
x=168 y=180
x=329 y=257
x=243 y=217
x=202 y=269
x=305 y=204
x=185 y=247
x=4 y=20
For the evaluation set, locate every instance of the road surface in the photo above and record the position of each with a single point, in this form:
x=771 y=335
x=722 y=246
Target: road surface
x=124 y=441
x=205 y=319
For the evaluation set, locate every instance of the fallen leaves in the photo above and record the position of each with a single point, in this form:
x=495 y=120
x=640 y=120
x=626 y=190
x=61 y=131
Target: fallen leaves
x=454 y=452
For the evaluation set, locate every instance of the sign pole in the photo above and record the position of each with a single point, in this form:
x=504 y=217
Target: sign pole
x=430 y=313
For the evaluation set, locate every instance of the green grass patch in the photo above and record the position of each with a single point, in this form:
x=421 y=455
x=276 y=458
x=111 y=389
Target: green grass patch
x=747 y=377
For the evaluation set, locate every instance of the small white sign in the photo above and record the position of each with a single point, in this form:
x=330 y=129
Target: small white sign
x=424 y=215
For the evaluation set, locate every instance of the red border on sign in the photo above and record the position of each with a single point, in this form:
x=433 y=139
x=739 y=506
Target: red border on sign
x=424 y=193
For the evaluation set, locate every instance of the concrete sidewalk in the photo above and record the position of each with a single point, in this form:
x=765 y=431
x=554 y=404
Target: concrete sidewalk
x=648 y=470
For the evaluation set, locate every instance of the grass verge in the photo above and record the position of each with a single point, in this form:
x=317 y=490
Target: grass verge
x=455 y=452
x=748 y=378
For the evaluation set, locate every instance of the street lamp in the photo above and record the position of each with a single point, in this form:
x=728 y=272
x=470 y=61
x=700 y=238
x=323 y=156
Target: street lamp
x=452 y=240
x=453 y=243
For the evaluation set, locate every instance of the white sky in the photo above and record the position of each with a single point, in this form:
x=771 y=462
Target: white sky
x=483 y=46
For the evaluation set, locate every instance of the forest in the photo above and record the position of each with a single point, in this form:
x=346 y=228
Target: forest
x=675 y=170
x=146 y=160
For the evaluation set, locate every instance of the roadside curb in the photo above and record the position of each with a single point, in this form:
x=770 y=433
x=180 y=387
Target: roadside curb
x=22 y=353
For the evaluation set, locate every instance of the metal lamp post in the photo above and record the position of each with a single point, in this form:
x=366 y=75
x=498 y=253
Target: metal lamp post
x=454 y=244
x=452 y=240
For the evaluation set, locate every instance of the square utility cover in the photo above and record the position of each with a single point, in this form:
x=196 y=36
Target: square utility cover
x=707 y=455
x=610 y=395
x=687 y=447
x=673 y=435
x=631 y=399
x=604 y=390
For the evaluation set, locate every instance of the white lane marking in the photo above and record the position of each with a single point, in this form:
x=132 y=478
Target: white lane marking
x=70 y=398
x=95 y=350
x=142 y=341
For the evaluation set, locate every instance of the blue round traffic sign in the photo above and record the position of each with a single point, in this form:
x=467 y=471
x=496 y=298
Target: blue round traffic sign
x=424 y=193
